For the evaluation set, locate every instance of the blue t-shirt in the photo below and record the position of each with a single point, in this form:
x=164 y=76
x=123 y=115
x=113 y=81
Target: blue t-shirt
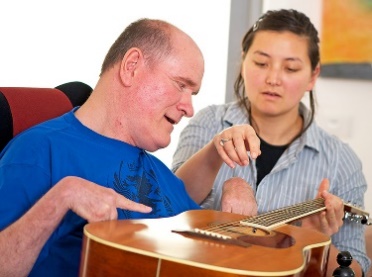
x=38 y=158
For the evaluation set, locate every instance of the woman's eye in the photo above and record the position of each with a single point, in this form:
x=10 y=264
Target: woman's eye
x=260 y=64
x=292 y=69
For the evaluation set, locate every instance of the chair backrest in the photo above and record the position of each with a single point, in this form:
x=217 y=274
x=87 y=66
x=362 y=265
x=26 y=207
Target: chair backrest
x=23 y=107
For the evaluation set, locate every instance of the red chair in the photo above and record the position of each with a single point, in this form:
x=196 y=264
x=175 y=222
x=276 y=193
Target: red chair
x=23 y=107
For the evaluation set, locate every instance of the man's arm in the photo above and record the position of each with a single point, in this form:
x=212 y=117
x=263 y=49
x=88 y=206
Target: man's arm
x=238 y=197
x=22 y=241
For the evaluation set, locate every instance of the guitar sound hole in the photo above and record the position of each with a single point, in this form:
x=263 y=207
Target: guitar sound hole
x=274 y=240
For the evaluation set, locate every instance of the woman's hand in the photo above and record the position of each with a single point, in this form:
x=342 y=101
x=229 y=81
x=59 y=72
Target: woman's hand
x=330 y=220
x=234 y=143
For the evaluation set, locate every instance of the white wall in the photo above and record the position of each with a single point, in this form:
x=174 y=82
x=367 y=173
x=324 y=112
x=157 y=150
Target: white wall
x=344 y=106
x=46 y=43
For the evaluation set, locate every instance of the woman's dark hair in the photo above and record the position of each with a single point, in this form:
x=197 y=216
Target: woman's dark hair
x=152 y=36
x=281 y=21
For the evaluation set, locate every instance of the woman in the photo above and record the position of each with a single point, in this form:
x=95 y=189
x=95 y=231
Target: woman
x=299 y=161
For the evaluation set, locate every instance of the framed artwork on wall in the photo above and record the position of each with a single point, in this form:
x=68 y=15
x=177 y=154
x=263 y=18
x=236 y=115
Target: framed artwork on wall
x=346 y=39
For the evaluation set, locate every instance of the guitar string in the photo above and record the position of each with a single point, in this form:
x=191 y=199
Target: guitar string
x=279 y=216
x=270 y=220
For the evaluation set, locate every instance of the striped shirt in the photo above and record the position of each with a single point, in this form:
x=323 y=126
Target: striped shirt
x=295 y=177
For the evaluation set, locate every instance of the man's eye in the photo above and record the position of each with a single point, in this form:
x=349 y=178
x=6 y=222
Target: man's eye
x=181 y=85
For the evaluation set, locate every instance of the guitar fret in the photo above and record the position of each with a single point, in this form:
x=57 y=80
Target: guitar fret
x=273 y=219
x=284 y=215
x=265 y=221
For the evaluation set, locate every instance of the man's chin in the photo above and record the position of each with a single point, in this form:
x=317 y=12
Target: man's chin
x=166 y=144
x=160 y=145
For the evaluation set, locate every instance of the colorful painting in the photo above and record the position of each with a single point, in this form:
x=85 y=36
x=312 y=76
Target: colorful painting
x=346 y=39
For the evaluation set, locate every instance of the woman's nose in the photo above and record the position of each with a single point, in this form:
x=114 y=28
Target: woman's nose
x=273 y=77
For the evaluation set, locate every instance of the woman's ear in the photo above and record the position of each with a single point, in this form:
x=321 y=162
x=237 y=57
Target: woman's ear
x=129 y=65
x=313 y=78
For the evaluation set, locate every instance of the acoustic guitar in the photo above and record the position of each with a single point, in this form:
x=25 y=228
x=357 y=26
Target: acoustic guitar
x=211 y=243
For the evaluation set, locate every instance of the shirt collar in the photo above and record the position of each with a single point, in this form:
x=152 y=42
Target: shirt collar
x=311 y=136
x=235 y=114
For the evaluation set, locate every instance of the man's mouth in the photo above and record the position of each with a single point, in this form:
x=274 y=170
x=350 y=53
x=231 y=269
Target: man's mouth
x=170 y=120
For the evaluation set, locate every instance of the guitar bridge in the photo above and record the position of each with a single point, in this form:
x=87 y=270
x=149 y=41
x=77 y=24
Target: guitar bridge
x=211 y=236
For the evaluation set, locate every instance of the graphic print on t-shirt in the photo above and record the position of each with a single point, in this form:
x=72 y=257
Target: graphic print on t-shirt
x=140 y=184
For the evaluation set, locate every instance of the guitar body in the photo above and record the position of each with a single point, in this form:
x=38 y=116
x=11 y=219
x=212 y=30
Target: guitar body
x=151 y=247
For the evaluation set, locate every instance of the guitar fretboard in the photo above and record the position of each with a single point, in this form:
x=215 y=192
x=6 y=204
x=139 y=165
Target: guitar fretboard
x=271 y=220
x=267 y=221
x=279 y=217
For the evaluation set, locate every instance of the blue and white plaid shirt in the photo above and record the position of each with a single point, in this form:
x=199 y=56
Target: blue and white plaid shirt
x=295 y=177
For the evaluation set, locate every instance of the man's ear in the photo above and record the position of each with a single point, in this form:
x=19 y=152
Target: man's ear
x=129 y=65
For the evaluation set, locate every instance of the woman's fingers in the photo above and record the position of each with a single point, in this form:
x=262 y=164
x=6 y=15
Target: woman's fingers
x=234 y=143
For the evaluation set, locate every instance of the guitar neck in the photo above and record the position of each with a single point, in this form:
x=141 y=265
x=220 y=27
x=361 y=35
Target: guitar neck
x=276 y=218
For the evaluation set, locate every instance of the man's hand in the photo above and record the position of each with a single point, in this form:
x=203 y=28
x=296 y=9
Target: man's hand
x=96 y=203
x=238 y=197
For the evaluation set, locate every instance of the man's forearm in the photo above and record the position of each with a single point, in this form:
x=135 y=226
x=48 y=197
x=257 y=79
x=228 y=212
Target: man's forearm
x=22 y=241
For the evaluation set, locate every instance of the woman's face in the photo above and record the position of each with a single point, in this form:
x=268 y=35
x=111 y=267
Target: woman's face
x=277 y=73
